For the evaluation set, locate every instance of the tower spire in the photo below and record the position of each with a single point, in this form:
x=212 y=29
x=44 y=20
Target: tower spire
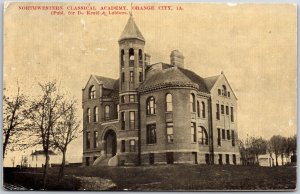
x=130 y=10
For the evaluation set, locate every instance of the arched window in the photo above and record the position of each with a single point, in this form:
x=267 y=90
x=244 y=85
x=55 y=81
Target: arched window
x=150 y=109
x=224 y=90
x=92 y=92
x=192 y=102
x=169 y=102
x=198 y=109
x=203 y=109
x=106 y=112
x=96 y=118
x=131 y=57
x=122 y=58
x=140 y=54
x=88 y=113
x=203 y=136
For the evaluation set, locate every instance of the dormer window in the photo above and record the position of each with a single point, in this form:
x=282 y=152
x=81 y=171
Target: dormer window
x=92 y=92
x=224 y=93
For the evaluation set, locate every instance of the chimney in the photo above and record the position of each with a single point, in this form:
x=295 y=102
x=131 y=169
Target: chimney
x=147 y=59
x=177 y=58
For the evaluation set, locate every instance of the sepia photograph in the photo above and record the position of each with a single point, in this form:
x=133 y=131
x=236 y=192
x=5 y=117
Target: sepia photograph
x=149 y=96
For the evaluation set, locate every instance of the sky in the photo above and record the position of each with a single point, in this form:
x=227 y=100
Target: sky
x=253 y=44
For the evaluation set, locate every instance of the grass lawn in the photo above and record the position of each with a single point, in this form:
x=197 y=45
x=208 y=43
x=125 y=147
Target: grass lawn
x=192 y=177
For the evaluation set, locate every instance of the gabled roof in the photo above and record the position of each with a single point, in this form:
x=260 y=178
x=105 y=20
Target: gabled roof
x=131 y=31
x=174 y=76
x=108 y=83
x=210 y=81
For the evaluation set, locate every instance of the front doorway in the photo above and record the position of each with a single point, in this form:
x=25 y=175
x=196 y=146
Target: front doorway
x=195 y=157
x=110 y=139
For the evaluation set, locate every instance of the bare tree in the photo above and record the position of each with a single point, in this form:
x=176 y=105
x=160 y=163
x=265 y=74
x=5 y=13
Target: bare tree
x=44 y=112
x=258 y=146
x=276 y=146
x=66 y=130
x=13 y=159
x=14 y=115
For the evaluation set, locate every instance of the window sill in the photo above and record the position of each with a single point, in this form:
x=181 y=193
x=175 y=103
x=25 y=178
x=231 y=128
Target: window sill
x=151 y=144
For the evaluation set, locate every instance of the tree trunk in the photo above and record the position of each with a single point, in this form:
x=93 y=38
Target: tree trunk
x=62 y=166
x=282 y=159
x=45 y=174
x=276 y=159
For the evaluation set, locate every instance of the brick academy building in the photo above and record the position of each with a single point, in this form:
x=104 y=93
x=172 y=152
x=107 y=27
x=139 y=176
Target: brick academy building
x=157 y=113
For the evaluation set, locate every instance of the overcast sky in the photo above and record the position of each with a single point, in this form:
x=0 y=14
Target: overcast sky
x=255 y=46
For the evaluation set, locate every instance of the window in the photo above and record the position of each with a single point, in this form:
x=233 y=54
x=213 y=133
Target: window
x=219 y=137
x=151 y=158
x=220 y=159
x=140 y=77
x=203 y=109
x=222 y=109
x=234 y=159
x=151 y=134
x=224 y=90
x=223 y=133
x=123 y=77
x=170 y=133
x=118 y=110
x=193 y=132
x=169 y=102
x=131 y=98
x=122 y=145
x=140 y=57
x=131 y=57
x=96 y=118
x=198 y=109
x=88 y=115
x=88 y=139
x=131 y=120
x=122 y=58
x=122 y=99
x=150 y=109
x=228 y=94
x=219 y=92
x=203 y=136
x=131 y=76
x=218 y=112
x=132 y=145
x=231 y=116
x=227 y=159
x=106 y=112
x=227 y=110
x=207 y=158
x=228 y=134
x=122 y=120
x=87 y=161
x=92 y=92
x=232 y=138
x=95 y=139
x=192 y=102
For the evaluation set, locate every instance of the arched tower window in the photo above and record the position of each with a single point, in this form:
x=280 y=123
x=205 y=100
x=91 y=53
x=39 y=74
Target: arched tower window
x=92 y=92
x=106 y=112
x=140 y=57
x=96 y=116
x=203 y=136
x=151 y=106
x=169 y=102
x=122 y=58
x=203 y=109
x=198 y=109
x=131 y=57
x=224 y=90
x=192 y=102
x=88 y=113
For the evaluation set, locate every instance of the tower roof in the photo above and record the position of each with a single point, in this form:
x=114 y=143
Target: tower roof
x=131 y=31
